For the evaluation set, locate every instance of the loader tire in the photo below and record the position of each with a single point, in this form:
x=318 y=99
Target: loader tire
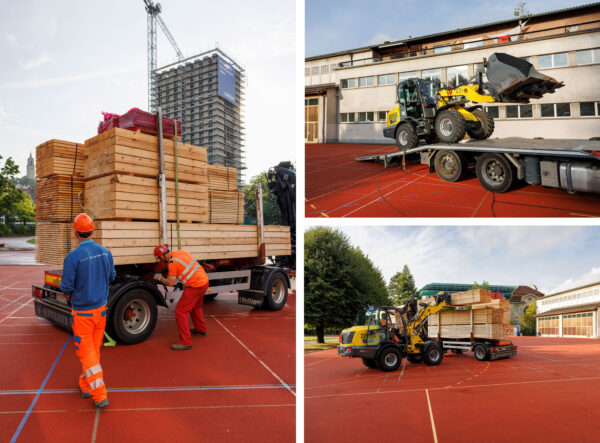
x=369 y=363
x=406 y=137
x=432 y=353
x=485 y=126
x=450 y=166
x=450 y=126
x=389 y=359
x=495 y=173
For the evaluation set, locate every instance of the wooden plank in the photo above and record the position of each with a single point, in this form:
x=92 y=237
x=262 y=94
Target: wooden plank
x=58 y=198
x=53 y=242
x=470 y=297
x=489 y=331
x=59 y=157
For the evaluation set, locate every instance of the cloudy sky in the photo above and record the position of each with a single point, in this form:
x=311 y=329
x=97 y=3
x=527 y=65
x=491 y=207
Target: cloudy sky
x=336 y=26
x=551 y=257
x=65 y=61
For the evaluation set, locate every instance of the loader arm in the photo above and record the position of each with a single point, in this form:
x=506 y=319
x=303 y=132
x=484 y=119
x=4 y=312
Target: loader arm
x=415 y=326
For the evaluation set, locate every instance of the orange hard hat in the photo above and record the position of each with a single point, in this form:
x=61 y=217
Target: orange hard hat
x=83 y=223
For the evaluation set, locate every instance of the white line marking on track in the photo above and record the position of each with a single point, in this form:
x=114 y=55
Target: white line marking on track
x=256 y=357
x=431 y=417
x=12 y=312
x=402 y=371
x=96 y=420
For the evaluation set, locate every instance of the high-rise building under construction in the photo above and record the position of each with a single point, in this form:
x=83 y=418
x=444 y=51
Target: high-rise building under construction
x=206 y=92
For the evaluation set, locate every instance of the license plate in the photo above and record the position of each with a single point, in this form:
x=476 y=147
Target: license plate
x=61 y=298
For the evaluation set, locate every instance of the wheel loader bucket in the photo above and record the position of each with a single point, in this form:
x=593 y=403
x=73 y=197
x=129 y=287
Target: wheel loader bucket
x=511 y=79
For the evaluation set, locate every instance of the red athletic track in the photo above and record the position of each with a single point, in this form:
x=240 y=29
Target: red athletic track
x=549 y=392
x=219 y=390
x=339 y=186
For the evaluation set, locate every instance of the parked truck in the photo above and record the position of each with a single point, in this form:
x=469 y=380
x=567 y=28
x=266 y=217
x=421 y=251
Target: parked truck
x=134 y=296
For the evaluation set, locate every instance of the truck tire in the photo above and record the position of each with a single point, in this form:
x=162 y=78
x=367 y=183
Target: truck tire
x=484 y=128
x=432 y=353
x=450 y=126
x=369 y=363
x=389 y=359
x=450 y=166
x=406 y=137
x=276 y=292
x=495 y=173
x=416 y=359
x=481 y=352
x=133 y=317
x=210 y=296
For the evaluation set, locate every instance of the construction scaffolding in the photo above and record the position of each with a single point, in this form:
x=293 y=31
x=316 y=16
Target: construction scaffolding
x=189 y=90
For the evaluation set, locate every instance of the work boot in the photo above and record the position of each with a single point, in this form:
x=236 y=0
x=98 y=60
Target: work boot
x=101 y=404
x=193 y=331
x=85 y=394
x=180 y=347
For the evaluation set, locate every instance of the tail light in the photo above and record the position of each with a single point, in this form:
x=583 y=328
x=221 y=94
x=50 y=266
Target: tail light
x=596 y=153
x=340 y=339
x=36 y=292
x=348 y=349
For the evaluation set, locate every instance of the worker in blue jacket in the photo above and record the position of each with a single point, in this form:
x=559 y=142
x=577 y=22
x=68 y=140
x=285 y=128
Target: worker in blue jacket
x=87 y=272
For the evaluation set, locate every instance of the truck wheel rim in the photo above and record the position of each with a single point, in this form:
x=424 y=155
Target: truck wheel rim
x=277 y=291
x=493 y=172
x=403 y=138
x=391 y=359
x=480 y=353
x=136 y=316
x=434 y=355
x=446 y=127
x=449 y=164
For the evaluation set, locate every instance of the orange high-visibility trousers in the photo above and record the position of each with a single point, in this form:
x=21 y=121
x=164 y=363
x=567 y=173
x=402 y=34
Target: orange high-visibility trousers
x=88 y=333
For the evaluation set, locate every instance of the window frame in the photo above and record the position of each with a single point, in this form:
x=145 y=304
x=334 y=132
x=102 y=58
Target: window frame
x=366 y=78
x=555 y=110
x=552 y=58
x=348 y=80
x=518 y=112
x=366 y=114
x=348 y=114
x=596 y=110
x=379 y=120
x=455 y=74
x=386 y=76
x=442 y=49
x=497 y=108
x=595 y=52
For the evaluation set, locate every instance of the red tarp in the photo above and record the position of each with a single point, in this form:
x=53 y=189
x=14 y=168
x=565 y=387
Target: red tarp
x=136 y=119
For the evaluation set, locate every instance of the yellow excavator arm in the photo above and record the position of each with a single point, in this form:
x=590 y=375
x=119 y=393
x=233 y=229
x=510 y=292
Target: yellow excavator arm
x=415 y=342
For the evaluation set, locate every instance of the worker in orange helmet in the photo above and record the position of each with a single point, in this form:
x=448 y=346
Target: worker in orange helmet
x=183 y=268
x=87 y=272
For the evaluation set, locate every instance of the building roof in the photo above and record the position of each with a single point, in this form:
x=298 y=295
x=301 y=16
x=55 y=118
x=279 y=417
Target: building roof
x=573 y=289
x=514 y=20
x=522 y=290
x=570 y=309
x=433 y=288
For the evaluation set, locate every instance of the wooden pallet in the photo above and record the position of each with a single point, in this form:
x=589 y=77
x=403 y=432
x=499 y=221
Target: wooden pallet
x=226 y=207
x=470 y=297
x=463 y=317
x=59 y=157
x=134 y=242
x=53 y=242
x=490 y=331
x=120 y=151
x=221 y=178
x=58 y=197
x=121 y=196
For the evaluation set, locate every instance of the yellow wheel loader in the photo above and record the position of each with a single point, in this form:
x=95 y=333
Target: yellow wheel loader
x=445 y=115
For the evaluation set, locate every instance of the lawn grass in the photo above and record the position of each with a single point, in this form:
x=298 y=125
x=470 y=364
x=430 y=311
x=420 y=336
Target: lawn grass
x=319 y=346
x=327 y=337
x=31 y=240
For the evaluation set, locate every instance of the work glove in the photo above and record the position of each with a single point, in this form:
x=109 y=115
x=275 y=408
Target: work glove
x=158 y=276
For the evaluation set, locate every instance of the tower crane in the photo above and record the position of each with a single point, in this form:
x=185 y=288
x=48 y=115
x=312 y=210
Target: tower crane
x=153 y=11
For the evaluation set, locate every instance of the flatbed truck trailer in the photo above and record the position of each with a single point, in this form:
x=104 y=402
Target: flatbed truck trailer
x=569 y=164
x=483 y=349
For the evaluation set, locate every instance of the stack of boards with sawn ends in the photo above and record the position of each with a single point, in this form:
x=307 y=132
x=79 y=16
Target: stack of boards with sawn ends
x=476 y=313
x=59 y=196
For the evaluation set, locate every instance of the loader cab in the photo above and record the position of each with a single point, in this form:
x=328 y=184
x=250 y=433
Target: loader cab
x=416 y=97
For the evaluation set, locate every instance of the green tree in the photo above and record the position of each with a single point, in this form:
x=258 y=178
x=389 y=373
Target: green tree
x=521 y=10
x=13 y=201
x=402 y=287
x=528 y=320
x=339 y=280
x=269 y=204
x=483 y=285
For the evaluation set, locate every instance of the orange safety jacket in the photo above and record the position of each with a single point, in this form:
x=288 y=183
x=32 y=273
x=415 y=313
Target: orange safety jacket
x=186 y=270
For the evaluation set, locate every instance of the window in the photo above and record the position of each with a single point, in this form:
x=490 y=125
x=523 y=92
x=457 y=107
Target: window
x=442 y=49
x=315 y=70
x=556 y=110
x=364 y=82
x=588 y=57
x=324 y=69
x=348 y=117
x=435 y=75
x=311 y=101
x=589 y=109
x=333 y=67
x=553 y=60
x=348 y=83
x=457 y=75
x=472 y=44
x=493 y=111
x=521 y=111
x=382 y=116
x=477 y=68
x=387 y=79
x=406 y=75
x=365 y=117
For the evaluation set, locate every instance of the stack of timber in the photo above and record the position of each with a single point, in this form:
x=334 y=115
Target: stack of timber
x=58 y=198
x=53 y=242
x=479 y=314
x=58 y=157
x=226 y=207
x=120 y=196
x=134 y=242
x=222 y=178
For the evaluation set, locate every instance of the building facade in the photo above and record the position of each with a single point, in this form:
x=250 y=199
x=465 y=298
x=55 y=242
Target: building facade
x=348 y=93
x=571 y=313
x=206 y=92
x=519 y=302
